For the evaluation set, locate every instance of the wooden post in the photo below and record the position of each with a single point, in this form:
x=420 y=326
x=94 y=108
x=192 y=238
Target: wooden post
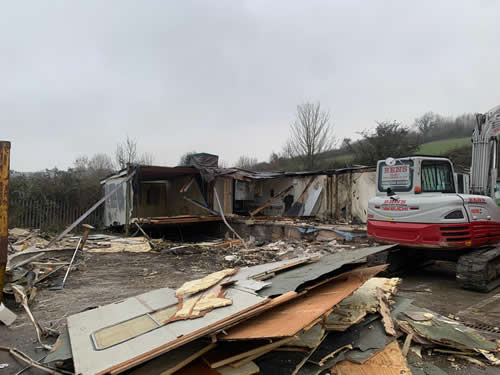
x=4 y=209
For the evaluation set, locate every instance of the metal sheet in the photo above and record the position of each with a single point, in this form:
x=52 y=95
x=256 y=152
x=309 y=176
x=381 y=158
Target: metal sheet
x=310 y=201
x=291 y=280
x=61 y=350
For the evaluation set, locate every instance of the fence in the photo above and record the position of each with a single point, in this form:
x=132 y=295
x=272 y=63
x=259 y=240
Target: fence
x=28 y=213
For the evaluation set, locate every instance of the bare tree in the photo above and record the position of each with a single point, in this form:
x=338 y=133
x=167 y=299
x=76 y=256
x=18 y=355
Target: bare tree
x=246 y=162
x=126 y=153
x=311 y=134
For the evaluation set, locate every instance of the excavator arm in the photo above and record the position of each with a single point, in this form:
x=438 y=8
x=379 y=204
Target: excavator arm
x=484 y=153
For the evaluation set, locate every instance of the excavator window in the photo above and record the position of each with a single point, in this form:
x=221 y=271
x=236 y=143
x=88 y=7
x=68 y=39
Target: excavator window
x=437 y=176
x=398 y=177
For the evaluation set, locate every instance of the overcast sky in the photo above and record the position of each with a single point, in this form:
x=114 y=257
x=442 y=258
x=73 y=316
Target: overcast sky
x=224 y=77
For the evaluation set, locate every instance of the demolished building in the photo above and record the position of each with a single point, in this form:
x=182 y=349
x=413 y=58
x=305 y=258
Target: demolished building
x=176 y=195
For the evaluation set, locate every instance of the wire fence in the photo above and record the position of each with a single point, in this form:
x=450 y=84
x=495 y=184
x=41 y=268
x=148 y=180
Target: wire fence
x=49 y=215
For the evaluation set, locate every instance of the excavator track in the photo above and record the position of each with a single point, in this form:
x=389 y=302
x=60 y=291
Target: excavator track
x=479 y=269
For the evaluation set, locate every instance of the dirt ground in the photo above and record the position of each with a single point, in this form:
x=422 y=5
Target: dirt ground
x=105 y=278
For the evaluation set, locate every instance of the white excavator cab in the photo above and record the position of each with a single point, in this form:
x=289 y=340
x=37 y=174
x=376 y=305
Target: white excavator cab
x=418 y=205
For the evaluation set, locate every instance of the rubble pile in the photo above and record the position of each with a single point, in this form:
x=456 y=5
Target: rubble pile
x=233 y=253
x=30 y=262
x=281 y=307
x=306 y=315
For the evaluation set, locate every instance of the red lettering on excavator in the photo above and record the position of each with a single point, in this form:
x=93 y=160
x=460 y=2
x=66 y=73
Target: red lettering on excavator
x=476 y=200
x=393 y=201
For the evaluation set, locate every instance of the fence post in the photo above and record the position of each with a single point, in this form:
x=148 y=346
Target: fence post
x=4 y=209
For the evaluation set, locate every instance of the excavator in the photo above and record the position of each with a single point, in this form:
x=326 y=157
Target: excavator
x=418 y=206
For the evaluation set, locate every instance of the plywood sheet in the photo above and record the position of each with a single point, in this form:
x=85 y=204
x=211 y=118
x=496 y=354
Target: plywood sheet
x=289 y=318
x=88 y=360
x=292 y=279
x=390 y=361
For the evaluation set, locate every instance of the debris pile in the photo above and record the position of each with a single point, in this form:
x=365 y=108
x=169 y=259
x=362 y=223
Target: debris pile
x=30 y=262
x=233 y=253
x=308 y=315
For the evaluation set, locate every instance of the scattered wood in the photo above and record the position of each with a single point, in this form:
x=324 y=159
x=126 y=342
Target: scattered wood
x=386 y=313
x=202 y=206
x=144 y=234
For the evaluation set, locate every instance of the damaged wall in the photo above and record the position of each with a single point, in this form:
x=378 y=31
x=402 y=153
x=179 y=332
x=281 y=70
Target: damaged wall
x=163 y=198
x=349 y=194
x=313 y=200
x=340 y=195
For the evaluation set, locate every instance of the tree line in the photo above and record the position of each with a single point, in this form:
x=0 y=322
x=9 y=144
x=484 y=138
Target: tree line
x=312 y=144
x=78 y=186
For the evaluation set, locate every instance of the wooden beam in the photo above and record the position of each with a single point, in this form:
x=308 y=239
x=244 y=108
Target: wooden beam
x=268 y=203
x=145 y=235
x=198 y=204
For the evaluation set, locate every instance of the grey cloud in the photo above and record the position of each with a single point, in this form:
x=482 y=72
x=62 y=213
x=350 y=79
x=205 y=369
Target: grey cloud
x=225 y=76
